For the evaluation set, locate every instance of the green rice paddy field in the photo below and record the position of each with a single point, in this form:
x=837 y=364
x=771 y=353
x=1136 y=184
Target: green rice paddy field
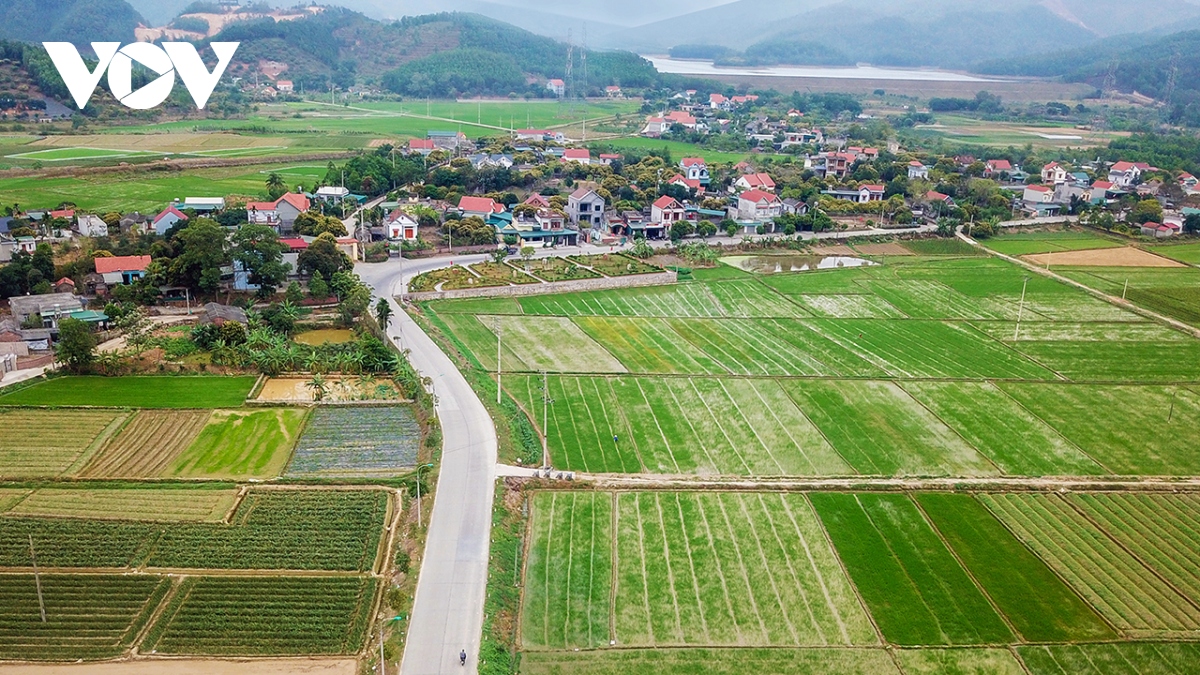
x=981 y=583
x=915 y=367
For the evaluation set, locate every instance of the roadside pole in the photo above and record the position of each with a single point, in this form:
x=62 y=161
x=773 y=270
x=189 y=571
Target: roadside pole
x=499 y=387
x=1021 y=310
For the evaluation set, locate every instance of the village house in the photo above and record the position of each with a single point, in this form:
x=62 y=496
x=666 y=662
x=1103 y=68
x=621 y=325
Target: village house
x=1127 y=174
x=613 y=91
x=1054 y=174
x=1161 y=230
x=332 y=193
x=666 y=210
x=758 y=205
x=480 y=207
x=546 y=226
x=204 y=204
x=608 y=158
x=585 y=208
x=450 y=141
x=995 y=168
x=537 y=200
x=754 y=181
x=50 y=307
x=167 y=219
x=400 y=226
x=917 y=171
x=420 y=146
x=284 y=86
x=1189 y=184
x=281 y=213
x=656 y=126
x=556 y=87
x=91 y=226
x=695 y=168
x=1038 y=194
x=123 y=269
x=686 y=183
x=1101 y=190
x=580 y=155
x=837 y=164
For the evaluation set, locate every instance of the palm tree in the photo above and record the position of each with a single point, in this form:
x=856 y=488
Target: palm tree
x=275 y=185
x=319 y=387
x=383 y=314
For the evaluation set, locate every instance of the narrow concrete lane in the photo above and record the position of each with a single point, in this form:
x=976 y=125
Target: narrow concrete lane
x=447 y=614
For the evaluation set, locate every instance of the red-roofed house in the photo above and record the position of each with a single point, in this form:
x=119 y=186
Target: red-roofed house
x=122 y=269
x=581 y=155
x=917 y=171
x=759 y=205
x=612 y=91
x=608 y=158
x=284 y=86
x=1127 y=174
x=1189 y=183
x=686 y=183
x=755 y=181
x=995 y=167
x=422 y=146
x=935 y=197
x=167 y=219
x=1161 y=230
x=294 y=244
x=537 y=200
x=718 y=101
x=695 y=168
x=1038 y=194
x=870 y=193
x=483 y=207
x=666 y=210
x=680 y=117
x=557 y=86
x=656 y=126
x=65 y=214
x=1055 y=174
x=64 y=285
x=280 y=214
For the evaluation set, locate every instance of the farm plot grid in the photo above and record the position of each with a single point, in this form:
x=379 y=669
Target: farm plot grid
x=359 y=441
x=47 y=443
x=797 y=574
x=317 y=530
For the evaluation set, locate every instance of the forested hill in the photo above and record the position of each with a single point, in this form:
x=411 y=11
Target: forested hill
x=438 y=55
x=1139 y=63
x=78 y=21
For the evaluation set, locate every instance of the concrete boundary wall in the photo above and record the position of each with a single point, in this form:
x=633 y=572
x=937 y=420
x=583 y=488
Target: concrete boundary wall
x=546 y=288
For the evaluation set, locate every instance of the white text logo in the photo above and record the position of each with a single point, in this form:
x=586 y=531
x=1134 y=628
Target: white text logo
x=170 y=58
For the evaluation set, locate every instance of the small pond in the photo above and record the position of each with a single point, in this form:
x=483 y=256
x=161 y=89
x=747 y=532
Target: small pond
x=332 y=336
x=775 y=264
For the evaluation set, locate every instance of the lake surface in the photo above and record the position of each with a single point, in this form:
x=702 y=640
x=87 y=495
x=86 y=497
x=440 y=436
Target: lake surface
x=777 y=264
x=666 y=64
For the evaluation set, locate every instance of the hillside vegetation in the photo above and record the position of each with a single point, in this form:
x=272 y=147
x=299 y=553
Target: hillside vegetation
x=78 y=21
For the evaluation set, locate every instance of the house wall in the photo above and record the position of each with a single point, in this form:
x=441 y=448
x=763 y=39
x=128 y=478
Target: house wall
x=606 y=283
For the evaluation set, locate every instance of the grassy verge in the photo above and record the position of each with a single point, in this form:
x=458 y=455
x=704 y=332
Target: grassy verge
x=497 y=651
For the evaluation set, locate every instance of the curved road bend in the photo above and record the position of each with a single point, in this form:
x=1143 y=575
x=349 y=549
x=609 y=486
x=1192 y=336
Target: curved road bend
x=447 y=614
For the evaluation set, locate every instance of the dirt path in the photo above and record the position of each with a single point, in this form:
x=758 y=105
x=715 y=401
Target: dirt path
x=156 y=666
x=985 y=483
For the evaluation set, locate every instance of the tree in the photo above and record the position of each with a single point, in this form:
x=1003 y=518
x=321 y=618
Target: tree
x=293 y=295
x=1146 y=211
x=641 y=248
x=706 y=229
x=258 y=249
x=500 y=254
x=730 y=226
x=317 y=288
x=324 y=256
x=275 y=186
x=679 y=230
x=1191 y=224
x=137 y=328
x=312 y=224
x=526 y=254
x=383 y=314
x=198 y=265
x=76 y=347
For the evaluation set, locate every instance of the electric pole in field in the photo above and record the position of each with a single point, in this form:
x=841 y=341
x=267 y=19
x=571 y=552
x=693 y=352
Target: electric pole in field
x=546 y=401
x=499 y=330
x=37 y=579
x=1021 y=310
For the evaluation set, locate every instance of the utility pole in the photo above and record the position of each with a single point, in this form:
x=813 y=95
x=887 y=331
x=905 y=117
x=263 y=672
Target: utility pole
x=1021 y=310
x=545 y=416
x=1125 y=291
x=499 y=330
x=1169 y=416
x=382 y=662
x=37 y=579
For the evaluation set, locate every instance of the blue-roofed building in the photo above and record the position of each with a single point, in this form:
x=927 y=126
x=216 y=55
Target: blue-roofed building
x=547 y=226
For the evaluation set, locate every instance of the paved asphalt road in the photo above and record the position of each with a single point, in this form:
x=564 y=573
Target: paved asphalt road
x=447 y=614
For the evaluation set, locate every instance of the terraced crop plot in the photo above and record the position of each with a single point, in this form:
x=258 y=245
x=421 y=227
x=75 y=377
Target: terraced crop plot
x=1048 y=242
x=145 y=391
x=10 y=497
x=87 y=616
x=371 y=441
x=702 y=569
x=614 y=264
x=290 y=530
x=147 y=444
x=678 y=425
x=1164 y=658
x=1138 y=441
x=235 y=444
x=45 y=443
x=154 y=504
x=247 y=616
x=914 y=587
x=550 y=343
x=1127 y=593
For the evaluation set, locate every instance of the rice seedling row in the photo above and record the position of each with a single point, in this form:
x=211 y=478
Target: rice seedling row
x=48 y=443
x=711 y=661
x=1121 y=588
x=147 y=444
x=241 y=444
x=1129 y=658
